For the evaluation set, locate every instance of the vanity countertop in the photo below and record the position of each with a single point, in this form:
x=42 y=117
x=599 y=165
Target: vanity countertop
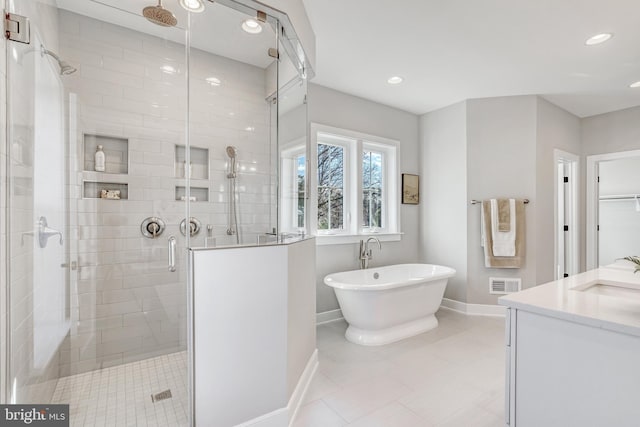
x=607 y=298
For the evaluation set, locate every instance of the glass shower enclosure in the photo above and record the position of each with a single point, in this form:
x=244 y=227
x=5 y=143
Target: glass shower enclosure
x=190 y=118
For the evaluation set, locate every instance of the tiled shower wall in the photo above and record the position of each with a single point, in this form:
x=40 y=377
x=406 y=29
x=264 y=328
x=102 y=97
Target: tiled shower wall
x=125 y=305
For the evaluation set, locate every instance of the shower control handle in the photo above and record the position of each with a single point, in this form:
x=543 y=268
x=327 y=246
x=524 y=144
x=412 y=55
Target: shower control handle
x=152 y=227
x=172 y=254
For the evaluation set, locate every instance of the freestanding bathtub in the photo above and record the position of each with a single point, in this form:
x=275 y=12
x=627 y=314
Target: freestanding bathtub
x=387 y=304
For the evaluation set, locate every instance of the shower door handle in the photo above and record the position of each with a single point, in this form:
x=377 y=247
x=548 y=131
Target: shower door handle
x=172 y=254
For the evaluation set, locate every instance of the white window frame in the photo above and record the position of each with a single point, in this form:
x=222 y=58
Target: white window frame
x=353 y=230
x=346 y=143
x=289 y=183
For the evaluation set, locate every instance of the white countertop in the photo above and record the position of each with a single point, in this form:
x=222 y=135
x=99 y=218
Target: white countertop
x=560 y=299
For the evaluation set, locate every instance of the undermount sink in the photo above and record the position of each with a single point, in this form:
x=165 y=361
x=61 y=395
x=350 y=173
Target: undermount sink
x=611 y=289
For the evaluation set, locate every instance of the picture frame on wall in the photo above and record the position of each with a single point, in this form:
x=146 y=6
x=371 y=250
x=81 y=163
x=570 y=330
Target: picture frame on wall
x=410 y=189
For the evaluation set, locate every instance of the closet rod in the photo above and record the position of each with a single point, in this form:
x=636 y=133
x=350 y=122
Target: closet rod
x=621 y=197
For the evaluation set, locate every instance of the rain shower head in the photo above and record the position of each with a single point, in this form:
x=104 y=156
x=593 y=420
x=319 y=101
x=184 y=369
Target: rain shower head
x=159 y=15
x=232 y=151
x=65 y=67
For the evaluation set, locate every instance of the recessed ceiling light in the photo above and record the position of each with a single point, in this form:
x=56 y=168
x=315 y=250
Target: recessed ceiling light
x=635 y=85
x=196 y=6
x=598 y=38
x=395 y=80
x=213 y=81
x=252 y=26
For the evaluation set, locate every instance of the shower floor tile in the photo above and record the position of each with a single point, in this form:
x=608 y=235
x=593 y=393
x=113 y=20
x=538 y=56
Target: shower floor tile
x=121 y=395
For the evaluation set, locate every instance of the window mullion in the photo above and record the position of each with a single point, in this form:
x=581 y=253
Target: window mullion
x=358 y=213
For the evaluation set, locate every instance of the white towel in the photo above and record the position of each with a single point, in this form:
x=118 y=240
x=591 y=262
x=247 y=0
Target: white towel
x=504 y=243
x=482 y=230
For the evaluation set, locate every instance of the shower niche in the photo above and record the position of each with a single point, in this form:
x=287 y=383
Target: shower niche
x=116 y=151
x=197 y=170
x=198 y=167
x=112 y=183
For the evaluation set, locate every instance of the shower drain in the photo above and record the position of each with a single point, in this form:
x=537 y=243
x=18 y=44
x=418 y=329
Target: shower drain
x=161 y=396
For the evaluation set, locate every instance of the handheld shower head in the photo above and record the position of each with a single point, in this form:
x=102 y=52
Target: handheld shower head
x=232 y=151
x=159 y=15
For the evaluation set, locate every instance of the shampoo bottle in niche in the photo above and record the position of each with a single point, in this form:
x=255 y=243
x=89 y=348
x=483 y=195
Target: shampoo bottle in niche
x=100 y=159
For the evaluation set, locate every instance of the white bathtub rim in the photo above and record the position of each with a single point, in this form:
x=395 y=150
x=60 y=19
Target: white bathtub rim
x=445 y=274
x=391 y=334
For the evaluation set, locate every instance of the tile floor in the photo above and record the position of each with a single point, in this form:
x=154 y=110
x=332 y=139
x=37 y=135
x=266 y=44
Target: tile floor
x=452 y=376
x=121 y=396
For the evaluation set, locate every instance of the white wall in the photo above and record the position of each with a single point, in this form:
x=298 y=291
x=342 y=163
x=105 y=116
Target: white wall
x=611 y=132
x=556 y=129
x=254 y=330
x=501 y=153
x=333 y=108
x=490 y=148
x=443 y=208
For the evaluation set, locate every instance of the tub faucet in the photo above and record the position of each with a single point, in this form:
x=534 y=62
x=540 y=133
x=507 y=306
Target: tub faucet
x=365 y=252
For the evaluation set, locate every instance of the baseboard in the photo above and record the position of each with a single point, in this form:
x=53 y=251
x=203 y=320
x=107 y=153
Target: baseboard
x=473 y=309
x=277 y=418
x=301 y=388
x=284 y=417
x=328 y=316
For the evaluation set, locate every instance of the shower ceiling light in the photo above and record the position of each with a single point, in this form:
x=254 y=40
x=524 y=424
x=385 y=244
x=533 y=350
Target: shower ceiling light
x=598 y=38
x=252 y=26
x=635 y=85
x=196 y=6
x=213 y=81
x=395 y=80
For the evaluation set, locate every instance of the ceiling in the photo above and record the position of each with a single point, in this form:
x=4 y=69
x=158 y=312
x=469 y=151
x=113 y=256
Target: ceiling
x=216 y=30
x=452 y=50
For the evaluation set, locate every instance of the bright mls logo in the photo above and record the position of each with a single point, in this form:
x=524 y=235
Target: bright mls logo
x=34 y=415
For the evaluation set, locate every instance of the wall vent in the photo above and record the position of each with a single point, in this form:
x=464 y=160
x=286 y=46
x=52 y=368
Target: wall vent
x=504 y=285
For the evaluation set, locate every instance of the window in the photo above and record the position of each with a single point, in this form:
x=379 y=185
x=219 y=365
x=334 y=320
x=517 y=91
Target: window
x=300 y=163
x=293 y=187
x=372 y=190
x=355 y=185
x=332 y=188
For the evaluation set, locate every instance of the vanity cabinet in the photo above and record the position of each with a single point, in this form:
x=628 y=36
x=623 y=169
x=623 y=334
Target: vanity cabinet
x=563 y=372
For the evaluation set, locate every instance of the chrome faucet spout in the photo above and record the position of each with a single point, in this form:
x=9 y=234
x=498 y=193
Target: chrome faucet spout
x=365 y=253
x=375 y=239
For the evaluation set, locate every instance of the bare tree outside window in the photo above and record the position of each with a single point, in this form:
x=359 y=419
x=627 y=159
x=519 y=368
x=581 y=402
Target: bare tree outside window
x=372 y=189
x=330 y=187
x=301 y=172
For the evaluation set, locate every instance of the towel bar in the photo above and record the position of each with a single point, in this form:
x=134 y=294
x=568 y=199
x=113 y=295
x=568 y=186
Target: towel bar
x=476 y=202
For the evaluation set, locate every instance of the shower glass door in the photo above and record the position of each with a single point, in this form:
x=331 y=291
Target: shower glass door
x=97 y=318
x=233 y=79
x=186 y=117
